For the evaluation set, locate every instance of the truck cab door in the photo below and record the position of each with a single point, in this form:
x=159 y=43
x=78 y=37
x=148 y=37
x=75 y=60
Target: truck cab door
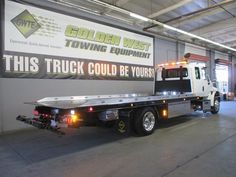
x=202 y=84
x=207 y=84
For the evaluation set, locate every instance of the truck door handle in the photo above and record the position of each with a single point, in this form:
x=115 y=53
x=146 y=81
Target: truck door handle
x=203 y=88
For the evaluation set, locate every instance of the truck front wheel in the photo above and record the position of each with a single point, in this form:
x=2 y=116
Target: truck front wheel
x=145 y=121
x=215 y=109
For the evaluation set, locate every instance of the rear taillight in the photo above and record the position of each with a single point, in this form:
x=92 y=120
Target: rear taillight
x=36 y=113
x=90 y=109
x=45 y=116
x=69 y=120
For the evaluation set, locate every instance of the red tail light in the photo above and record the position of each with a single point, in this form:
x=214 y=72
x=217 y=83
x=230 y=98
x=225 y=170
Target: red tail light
x=90 y=109
x=69 y=120
x=36 y=113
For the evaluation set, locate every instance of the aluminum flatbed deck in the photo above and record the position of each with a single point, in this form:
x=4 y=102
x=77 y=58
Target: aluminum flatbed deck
x=70 y=102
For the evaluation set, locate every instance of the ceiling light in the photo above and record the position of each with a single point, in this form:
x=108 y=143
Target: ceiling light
x=138 y=17
x=198 y=37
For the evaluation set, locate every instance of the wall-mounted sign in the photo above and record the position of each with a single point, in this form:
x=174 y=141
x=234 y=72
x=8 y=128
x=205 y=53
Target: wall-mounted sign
x=42 y=44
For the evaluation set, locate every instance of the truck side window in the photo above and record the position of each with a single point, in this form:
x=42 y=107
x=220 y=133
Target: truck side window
x=204 y=76
x=197 y=73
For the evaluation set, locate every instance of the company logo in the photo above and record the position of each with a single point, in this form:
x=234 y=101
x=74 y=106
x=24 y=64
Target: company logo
x=25 y=23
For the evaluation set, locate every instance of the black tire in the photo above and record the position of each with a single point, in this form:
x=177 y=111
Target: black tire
x=145 y=121
x=215 y=109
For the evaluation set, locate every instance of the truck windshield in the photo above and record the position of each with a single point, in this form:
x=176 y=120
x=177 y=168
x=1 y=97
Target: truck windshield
x=174 y=73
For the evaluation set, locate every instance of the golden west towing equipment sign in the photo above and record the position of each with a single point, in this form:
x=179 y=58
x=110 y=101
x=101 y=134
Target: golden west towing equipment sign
x=43 y=44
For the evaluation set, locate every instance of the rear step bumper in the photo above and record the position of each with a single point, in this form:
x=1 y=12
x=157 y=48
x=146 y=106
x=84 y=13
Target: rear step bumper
x=36 y=123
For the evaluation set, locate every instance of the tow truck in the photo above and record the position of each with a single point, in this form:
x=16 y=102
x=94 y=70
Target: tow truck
x=179 y=89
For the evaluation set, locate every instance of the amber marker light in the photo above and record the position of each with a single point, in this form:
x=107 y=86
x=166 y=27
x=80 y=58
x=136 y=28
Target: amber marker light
x=164 y=113
x=74 y=118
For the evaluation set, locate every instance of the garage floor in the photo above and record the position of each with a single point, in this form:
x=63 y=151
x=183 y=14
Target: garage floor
x=185 y=147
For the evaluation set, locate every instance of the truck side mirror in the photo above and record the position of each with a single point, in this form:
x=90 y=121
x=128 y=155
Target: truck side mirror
x=214 y=83
x=208 y=79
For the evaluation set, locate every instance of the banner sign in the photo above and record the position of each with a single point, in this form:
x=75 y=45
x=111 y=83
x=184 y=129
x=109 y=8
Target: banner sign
x=44 y=44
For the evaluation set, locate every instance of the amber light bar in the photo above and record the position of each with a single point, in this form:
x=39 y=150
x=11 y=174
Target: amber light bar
x=172 y=63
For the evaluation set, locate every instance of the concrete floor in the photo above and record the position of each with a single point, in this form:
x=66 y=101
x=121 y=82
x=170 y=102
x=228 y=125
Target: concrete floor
x=189 y=146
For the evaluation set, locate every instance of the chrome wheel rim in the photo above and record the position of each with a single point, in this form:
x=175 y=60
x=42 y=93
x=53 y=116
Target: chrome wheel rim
x=217 y=105
x=148 y=121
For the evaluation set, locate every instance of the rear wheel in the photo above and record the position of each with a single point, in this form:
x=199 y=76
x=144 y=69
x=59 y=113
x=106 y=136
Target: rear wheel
x=215 y=109
x=145 y=121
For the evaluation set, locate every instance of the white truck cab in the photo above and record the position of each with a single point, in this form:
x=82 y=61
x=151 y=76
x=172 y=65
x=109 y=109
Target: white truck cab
x=183 y=77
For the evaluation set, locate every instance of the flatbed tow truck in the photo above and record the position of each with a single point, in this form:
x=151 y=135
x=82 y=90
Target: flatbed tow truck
x=179 y=89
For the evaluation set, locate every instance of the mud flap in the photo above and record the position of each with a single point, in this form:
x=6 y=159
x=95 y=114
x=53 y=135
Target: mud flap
x=123 y=125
